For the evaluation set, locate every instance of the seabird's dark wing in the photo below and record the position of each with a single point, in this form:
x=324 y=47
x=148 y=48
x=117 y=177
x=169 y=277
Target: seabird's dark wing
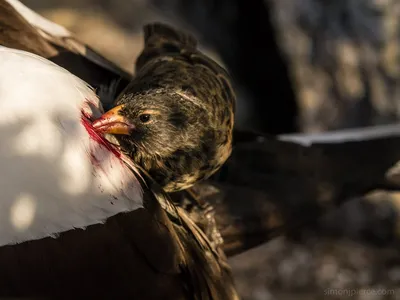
x=22 y=28
x=271 y=185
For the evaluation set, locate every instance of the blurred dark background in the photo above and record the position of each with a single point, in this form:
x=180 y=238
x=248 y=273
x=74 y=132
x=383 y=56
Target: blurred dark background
x=298 y=66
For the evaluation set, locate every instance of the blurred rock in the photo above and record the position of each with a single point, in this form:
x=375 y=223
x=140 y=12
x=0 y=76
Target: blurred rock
x=318 y=269
x=344 y=58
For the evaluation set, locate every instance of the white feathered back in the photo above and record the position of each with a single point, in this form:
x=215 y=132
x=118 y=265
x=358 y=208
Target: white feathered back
x=53 y=175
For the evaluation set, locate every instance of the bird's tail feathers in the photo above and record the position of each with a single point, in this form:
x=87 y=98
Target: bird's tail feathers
x=159 y=34
x=161 y=39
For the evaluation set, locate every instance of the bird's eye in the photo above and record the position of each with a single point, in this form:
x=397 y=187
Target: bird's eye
x=144 y=118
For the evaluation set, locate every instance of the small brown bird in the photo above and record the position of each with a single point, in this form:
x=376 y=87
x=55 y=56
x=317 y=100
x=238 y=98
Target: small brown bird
x=175 y=118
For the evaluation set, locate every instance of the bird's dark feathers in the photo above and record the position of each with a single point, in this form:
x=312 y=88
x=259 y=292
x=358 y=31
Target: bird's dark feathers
x=160 y=32
x=160 y=38
x=66 y=51
x=17 y=33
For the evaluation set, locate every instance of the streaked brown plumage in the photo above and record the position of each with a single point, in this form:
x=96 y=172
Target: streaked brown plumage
x=176 y=117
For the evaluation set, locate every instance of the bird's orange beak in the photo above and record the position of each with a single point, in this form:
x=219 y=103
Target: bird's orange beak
x=112 y=122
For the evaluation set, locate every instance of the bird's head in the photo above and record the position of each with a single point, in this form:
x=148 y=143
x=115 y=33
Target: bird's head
x=155 y=124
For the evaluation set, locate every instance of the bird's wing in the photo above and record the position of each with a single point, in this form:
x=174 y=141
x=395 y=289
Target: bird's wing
x=59 y=36
x=344 y=135
x=162 y=39
x=22 y=28
x=342 y=157
x=271 y=184
x=18 y=33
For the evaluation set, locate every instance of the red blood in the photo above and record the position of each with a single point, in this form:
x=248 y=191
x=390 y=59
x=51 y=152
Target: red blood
x=84 y=114
x=94 y=135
